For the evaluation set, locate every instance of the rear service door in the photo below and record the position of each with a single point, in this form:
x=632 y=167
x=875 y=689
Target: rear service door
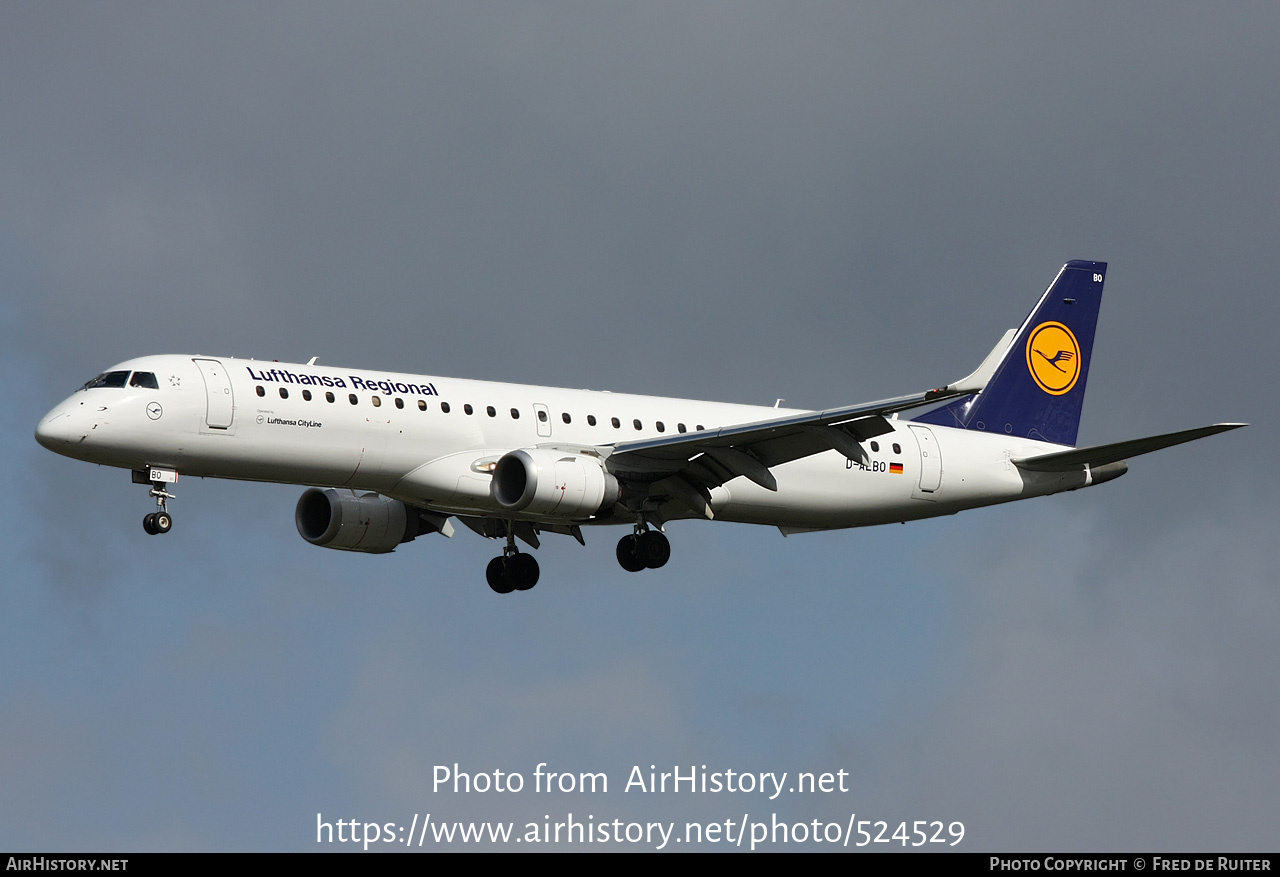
x=930 y=461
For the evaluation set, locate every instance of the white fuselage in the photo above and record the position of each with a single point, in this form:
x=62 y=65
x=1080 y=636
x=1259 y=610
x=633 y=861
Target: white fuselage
x=430 y=441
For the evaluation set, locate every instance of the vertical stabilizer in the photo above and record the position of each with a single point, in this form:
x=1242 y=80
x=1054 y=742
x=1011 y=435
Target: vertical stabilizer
x=1037 y=391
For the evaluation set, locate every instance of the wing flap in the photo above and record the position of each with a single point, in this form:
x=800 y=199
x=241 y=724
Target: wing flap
x=744 y=464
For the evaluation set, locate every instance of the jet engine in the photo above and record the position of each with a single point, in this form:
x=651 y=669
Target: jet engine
x=553 y=484
x=348 y=521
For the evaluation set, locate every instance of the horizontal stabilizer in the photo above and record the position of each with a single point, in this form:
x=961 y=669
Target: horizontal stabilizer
x=1100 y=455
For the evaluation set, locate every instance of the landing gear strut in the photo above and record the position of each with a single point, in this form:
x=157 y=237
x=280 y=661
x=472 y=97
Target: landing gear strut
x=159 y=521
x=643 y=549
x=514 y=570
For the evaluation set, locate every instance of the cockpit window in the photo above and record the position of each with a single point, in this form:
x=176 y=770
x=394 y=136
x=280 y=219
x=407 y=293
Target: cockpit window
x=107 y=379
x=145 y=380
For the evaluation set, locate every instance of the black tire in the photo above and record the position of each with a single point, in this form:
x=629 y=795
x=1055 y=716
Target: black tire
x=653 y=548
x=522 y=571
x=628 y=555
x=496 y=574
x=149 y=524
x=163 y=522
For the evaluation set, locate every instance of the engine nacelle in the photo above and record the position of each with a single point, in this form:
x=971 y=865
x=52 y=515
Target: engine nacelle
x=346 y=521
x=553 y=484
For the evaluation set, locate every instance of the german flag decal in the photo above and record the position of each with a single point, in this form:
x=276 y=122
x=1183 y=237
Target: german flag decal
x=895 y=468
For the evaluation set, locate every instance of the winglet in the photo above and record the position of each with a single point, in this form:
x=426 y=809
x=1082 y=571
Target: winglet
x=976 y=382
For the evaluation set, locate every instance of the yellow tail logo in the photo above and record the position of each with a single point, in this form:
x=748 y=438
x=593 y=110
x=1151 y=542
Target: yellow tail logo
x=1053 y=358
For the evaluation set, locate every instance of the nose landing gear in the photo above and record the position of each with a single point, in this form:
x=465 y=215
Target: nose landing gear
x=159 y=521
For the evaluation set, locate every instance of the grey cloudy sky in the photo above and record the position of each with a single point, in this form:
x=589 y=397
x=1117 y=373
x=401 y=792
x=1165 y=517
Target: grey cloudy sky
x=824 y=202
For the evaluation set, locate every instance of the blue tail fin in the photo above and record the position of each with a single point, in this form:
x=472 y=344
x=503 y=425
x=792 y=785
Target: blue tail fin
x=1037 y=391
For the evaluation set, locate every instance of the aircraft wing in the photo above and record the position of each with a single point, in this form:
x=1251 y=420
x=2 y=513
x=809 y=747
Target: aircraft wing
x=688 y=465
x=709 y=458
x=1100 y=455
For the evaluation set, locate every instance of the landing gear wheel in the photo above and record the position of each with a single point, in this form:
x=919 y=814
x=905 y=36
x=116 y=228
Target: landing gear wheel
x=629 y=555
x=653 y=549
x=496 y=574
x=149 y=524
x=512 y=572
x=522 y=571
x=162 y=522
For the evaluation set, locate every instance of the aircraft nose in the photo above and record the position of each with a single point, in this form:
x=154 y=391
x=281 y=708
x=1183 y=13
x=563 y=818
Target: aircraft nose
x=54 y=429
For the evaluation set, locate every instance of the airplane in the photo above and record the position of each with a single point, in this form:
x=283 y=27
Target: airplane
x=390 y=457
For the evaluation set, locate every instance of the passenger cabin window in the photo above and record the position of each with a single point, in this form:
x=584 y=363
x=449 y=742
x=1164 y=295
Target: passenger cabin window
x=681 y=427
x=515 y=413
x=399 y=402
x=284 y=394
x=660 y=426
x=145 y=380
x=377 y=401
x=491 y=411
x=422 y=404
x=636 y=424
x=617 y=424
x=566 y=418
x=261 y=391
x=328 y=397
x=591 y=420
x=306 y=394
x=897 y=448
x=467 y=409
x=352 y=398
x=444 y=407
x=875 y=446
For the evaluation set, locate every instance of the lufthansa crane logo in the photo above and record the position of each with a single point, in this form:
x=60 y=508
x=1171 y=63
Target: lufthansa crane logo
x=1053 y=358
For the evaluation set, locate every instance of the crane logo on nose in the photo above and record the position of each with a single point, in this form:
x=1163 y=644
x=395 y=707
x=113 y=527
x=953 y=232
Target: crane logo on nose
x=154 y=411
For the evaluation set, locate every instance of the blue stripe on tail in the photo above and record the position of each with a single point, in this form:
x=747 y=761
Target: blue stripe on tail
x=1037 y=391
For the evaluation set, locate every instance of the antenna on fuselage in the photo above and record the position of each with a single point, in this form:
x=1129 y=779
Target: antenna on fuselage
x=312 y=360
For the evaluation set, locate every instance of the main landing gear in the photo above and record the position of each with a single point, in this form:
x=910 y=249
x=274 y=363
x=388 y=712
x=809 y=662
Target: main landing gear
x=514 y=570
x=643 y=549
